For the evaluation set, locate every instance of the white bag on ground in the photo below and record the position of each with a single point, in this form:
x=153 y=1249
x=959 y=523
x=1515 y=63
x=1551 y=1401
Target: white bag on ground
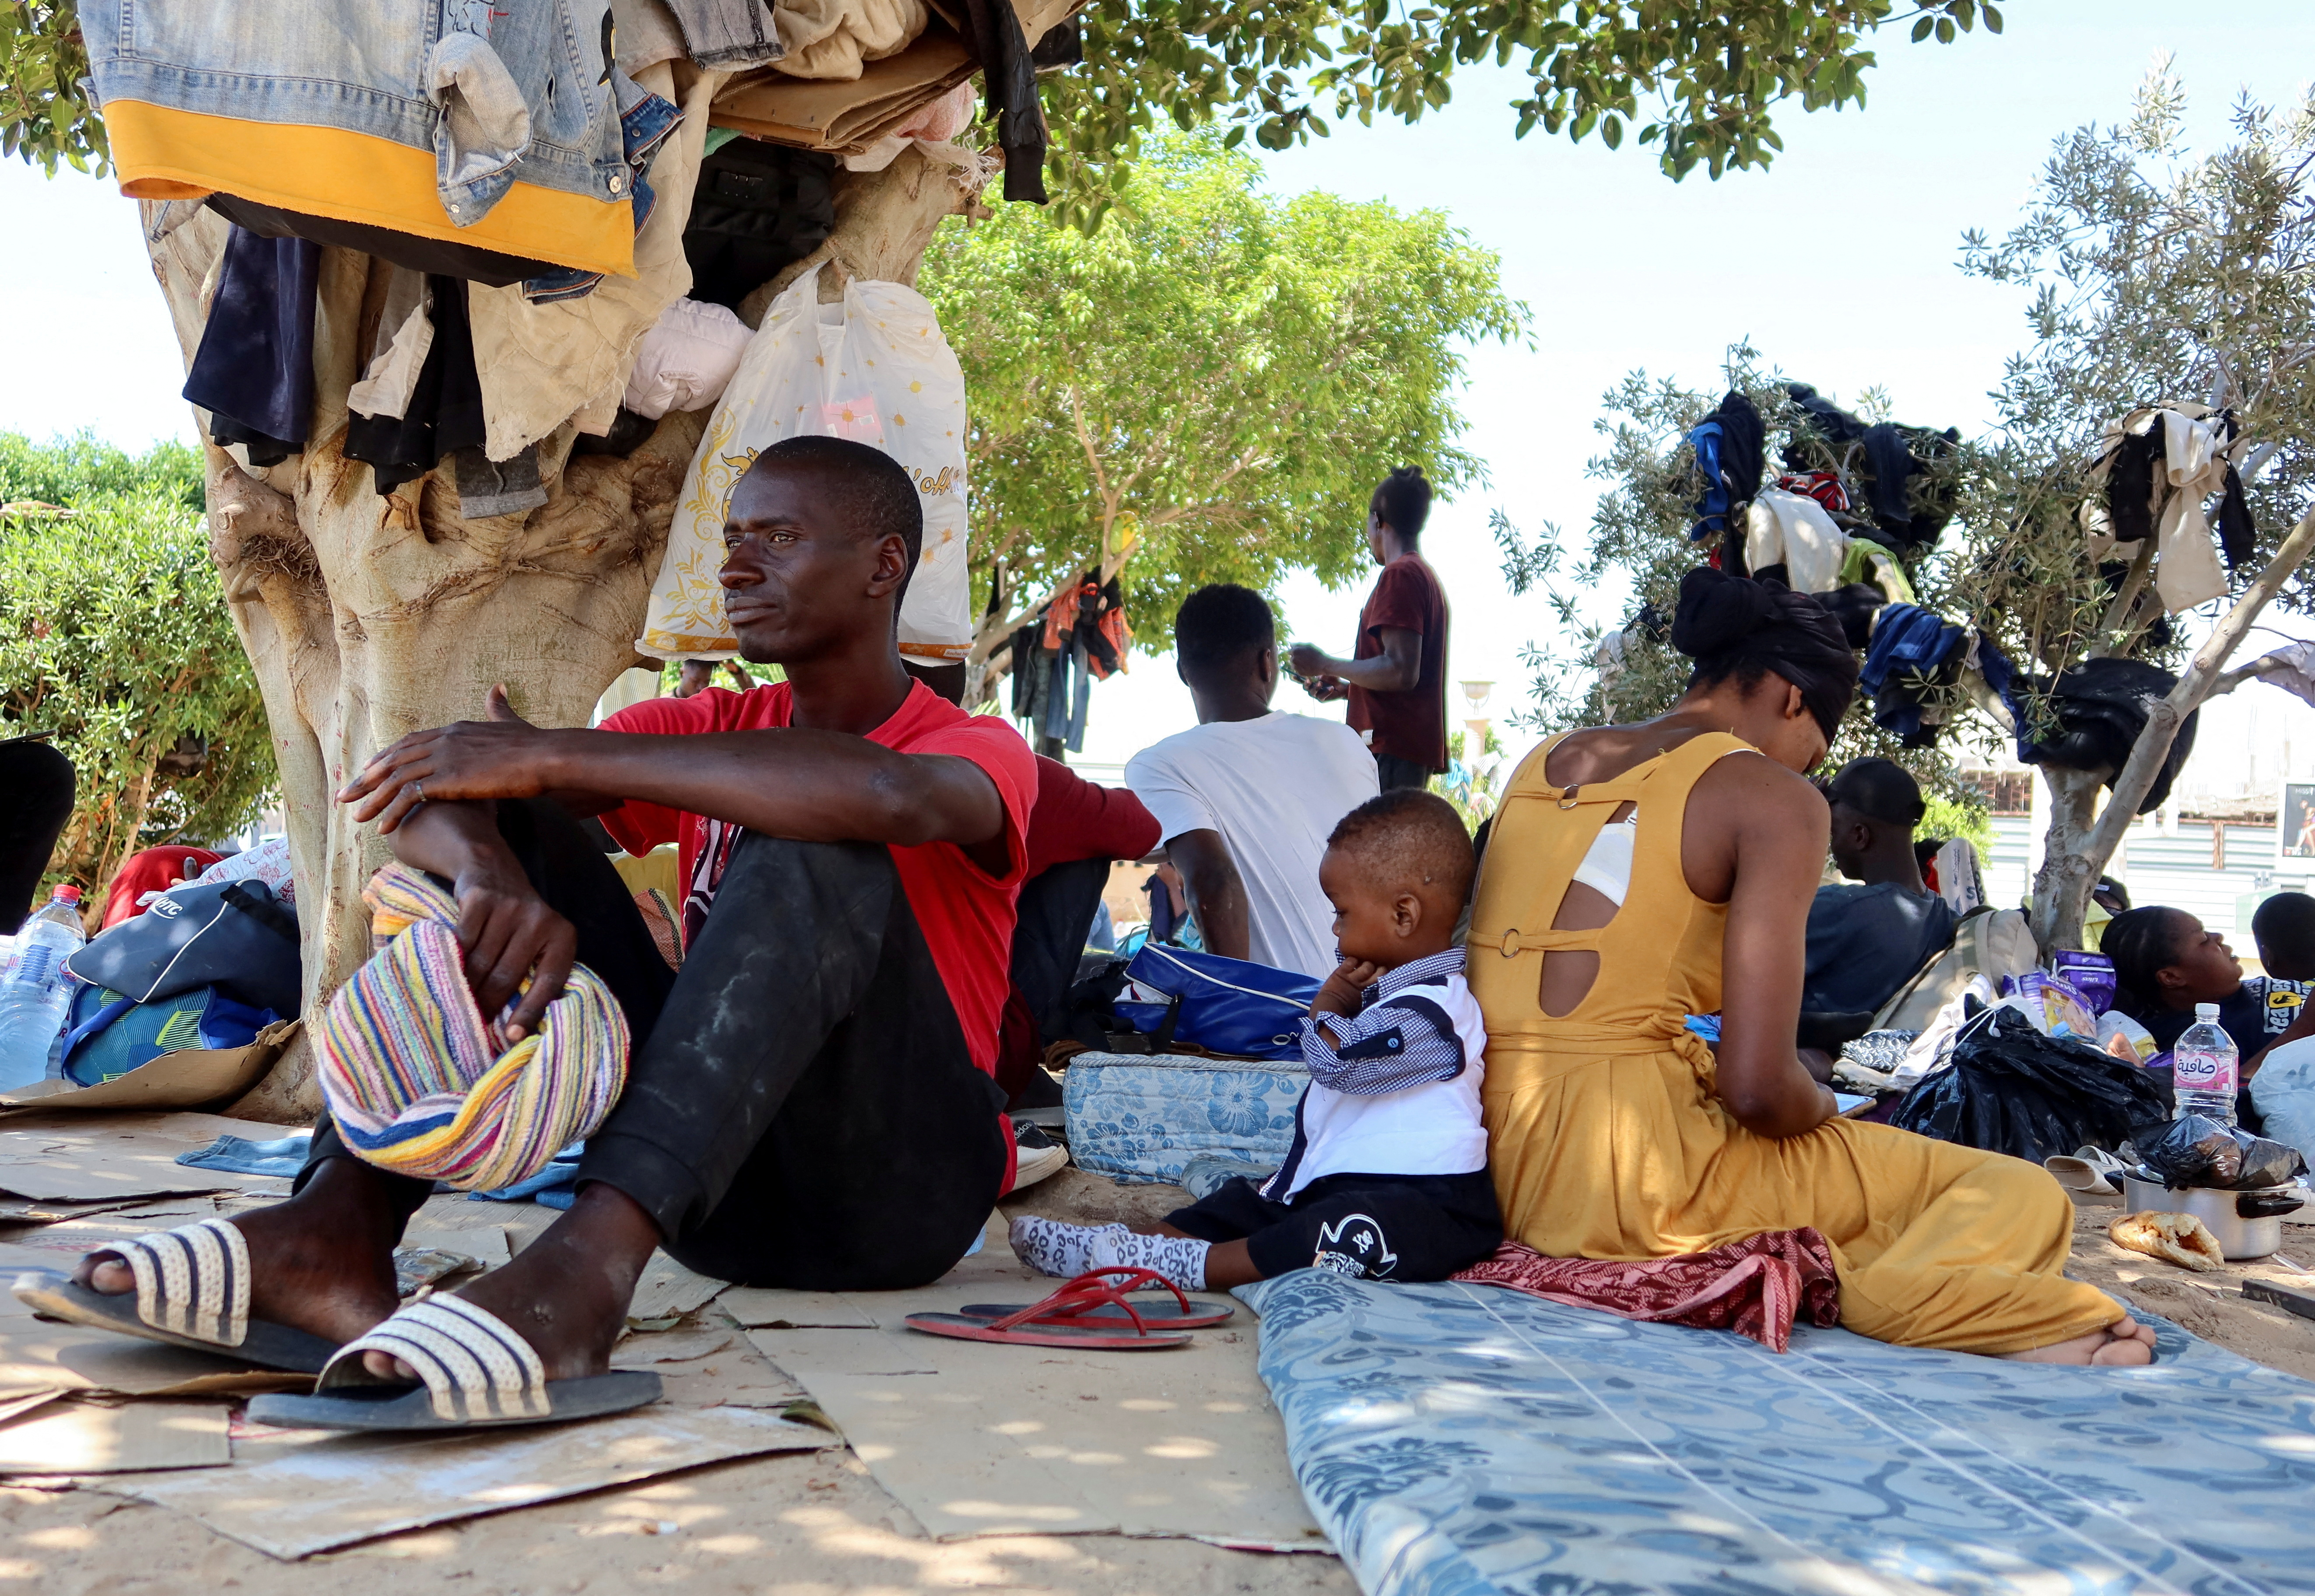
x=2284 y=1092
x=872 y=368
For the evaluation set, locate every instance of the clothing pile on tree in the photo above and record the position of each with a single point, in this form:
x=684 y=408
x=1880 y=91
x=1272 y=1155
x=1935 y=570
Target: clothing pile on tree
x=1074 y=639
x=573 y=197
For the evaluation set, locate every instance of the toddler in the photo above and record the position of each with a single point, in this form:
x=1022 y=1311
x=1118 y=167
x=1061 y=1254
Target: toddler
x=1386 y=1176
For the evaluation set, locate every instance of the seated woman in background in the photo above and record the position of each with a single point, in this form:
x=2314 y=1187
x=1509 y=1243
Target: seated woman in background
x=1674 y=865
x=2165 y=962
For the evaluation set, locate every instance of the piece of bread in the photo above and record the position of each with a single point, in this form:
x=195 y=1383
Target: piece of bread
x=2174 y=1237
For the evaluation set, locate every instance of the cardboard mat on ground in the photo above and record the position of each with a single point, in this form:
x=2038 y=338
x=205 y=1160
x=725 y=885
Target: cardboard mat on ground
x=189 y=1078
x=57 y=1155
x=985 y=1439
x=293 y=1492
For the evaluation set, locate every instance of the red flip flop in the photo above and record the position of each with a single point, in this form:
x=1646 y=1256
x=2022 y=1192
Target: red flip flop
x=1096 y=1308
x=1045 y=1324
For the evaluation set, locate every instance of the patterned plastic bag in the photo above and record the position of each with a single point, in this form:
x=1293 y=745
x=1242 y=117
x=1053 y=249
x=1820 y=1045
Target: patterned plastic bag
x=872 y=368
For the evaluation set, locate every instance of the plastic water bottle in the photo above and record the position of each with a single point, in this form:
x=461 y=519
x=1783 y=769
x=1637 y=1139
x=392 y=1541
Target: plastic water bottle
x=2205 y=1068
x=38 y=990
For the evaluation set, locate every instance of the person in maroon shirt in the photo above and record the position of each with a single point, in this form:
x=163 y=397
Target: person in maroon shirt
x=1396 y=678
x=1076 y=828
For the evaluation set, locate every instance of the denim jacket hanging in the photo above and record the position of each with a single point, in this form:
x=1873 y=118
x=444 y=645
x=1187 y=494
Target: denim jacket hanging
x=445 y=119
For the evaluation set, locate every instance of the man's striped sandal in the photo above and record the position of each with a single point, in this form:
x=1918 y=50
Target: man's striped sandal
x=478 y=1374
x=192 y=1290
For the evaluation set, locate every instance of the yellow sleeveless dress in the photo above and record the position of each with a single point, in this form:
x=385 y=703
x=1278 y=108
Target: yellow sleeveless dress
x=1608 y=1140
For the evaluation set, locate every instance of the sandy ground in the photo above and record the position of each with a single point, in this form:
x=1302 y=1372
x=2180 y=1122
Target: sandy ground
x=2211 y=1305
x=815 y=1524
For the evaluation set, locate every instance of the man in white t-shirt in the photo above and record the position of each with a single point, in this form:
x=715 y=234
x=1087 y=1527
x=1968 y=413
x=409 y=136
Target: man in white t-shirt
x=1246 y=797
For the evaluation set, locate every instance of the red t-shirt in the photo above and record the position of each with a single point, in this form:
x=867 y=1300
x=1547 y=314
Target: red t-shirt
x=966 y=915
x=1411 y=724
x=1076 y=819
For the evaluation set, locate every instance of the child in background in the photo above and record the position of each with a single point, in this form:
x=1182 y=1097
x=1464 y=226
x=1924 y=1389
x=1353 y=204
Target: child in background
x=1387 y=1177
x=2283 y=927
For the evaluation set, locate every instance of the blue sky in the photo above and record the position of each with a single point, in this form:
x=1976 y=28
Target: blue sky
x=1838 y=264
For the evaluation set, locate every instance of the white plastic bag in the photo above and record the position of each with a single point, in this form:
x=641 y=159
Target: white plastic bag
x=872 y=368
x=2284 y=1092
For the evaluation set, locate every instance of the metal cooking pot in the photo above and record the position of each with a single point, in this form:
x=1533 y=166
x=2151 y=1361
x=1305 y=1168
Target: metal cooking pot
x=2248 y=1224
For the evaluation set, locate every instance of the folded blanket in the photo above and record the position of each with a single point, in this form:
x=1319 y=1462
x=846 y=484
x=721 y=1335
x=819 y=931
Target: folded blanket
x=420 y=1083
x=1755 y=1287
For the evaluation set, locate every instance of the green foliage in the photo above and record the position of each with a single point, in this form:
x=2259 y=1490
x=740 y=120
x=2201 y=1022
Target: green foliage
x=1217 y=378
x=44 y=116
x=1961 y=814
x=70 y=469
x=1696 y=82
x=114 y=635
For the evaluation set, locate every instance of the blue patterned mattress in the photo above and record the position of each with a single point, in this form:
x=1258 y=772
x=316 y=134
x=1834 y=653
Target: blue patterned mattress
x=1143 y=1117
x=1460 y=1440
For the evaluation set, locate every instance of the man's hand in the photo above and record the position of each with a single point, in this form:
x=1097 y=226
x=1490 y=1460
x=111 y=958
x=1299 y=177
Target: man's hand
x=508 y=932
x=1310 y=661
x=1345 y=991
x=503 y=757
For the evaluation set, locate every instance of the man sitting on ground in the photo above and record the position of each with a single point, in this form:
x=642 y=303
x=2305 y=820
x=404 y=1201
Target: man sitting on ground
x=1386 y=1176
x=1865 y=942
x=1246 y=797
x=808 y=1103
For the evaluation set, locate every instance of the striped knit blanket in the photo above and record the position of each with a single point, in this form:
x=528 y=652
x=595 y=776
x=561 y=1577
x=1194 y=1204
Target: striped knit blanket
x=420 y=1083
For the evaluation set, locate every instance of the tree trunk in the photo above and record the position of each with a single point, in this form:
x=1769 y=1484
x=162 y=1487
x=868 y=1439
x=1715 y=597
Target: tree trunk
x=367 y=617
x=2062 y=887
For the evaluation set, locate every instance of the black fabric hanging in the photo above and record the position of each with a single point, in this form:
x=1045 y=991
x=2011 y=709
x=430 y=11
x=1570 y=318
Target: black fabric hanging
x=253 y=371
x=757 y=208
x=445 y=413
x=1008 y=72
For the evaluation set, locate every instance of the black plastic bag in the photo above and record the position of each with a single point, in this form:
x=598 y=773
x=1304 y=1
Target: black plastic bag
x=2197 y=1150
x=2010 y=1089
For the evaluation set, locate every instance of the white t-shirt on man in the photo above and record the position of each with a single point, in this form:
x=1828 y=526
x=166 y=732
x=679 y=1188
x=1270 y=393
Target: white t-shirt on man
x=1274 y=787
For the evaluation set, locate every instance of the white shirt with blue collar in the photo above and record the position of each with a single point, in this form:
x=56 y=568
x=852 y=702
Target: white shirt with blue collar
x=1397 y=1092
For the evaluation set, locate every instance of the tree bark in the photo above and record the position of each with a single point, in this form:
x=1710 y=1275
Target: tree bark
x=367 y=617
x=2061 y=890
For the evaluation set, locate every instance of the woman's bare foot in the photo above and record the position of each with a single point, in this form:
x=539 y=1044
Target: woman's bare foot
x=567 y=1293
x=322 y=1262
x=2124 y=1344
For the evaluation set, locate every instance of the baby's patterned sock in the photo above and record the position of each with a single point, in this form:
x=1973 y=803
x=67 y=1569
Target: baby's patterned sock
x=1181 y=1259
x=1052 y=1247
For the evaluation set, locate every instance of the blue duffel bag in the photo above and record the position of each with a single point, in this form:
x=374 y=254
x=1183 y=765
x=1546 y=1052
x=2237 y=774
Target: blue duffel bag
x=1226 y=1006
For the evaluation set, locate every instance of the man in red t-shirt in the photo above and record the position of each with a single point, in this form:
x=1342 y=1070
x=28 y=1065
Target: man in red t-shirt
x=808 y=1101
x=1396 y=678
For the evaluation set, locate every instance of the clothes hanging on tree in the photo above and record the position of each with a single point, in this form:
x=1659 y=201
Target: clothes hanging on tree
x=1911 y=657
x=1727 y=445
x=2159 y=465
x=2101 y=706
x=444 y=410
x=253 y=371
x=1076 y=637
x=1787 y=529
x=1894 y=456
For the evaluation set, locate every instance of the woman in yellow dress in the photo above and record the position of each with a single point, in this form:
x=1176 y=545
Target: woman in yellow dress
x=1639 y=874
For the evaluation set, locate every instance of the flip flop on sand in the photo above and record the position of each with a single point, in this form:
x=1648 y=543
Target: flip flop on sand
x=1057 y=1320
x=1100 y=1307
x=478 y=1375
x=192 y=1290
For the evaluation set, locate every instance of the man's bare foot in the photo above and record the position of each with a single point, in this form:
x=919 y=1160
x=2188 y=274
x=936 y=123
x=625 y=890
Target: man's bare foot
x=322 y=1262
x=2124 y=1344
x=567 y=1293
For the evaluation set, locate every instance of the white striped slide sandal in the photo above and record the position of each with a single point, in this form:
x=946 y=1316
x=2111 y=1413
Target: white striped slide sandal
x=192 y=1290
x=478 y=1374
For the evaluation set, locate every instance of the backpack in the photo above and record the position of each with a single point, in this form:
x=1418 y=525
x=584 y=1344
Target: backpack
x=107 y=1034
x=233 y=935
x=1994 y=943
x=1226 y=1006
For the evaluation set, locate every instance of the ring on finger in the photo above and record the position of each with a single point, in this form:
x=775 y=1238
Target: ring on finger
x=419 y=789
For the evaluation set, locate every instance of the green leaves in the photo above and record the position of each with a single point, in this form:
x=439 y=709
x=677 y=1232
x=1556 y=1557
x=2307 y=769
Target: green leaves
x=44 y=116
x=1216 y=373
x=114 y=634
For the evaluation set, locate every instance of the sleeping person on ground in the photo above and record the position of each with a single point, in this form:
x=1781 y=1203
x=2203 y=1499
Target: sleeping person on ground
x=808 y=1101
x=1386 y=1175
x=2165 y=962
x=1614 y=1132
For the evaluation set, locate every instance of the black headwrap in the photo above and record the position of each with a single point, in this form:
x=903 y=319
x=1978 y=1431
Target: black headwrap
x=1730 y=625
